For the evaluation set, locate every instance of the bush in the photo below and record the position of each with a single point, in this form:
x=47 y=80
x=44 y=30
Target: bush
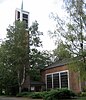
x=23 y=94
x=65 y=94
x=51 y=95
x=54 y=94
x=82 y=94
x=59 y=94
x=36 y=95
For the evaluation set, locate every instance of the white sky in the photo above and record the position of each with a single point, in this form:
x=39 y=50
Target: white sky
x=39 y=10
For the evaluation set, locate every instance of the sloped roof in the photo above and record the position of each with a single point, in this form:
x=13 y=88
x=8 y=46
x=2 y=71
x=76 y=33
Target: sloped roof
x=63 y=62
x=58 y=63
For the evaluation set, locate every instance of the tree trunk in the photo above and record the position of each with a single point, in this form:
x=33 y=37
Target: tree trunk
x=20 y=89
x=19 y=82
x=23 y=80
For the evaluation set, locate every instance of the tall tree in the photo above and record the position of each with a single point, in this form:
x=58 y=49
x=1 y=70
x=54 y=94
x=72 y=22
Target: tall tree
x=19 y=56
x=72 y=31
x=76 y=27
x=16 y=44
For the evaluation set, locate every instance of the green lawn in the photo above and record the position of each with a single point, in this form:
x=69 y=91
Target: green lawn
x=81 y=98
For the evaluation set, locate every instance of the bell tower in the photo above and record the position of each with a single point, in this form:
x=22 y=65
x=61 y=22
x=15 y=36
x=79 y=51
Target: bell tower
x=22 y=15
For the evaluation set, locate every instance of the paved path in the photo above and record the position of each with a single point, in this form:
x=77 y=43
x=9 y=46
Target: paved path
x=15 y=98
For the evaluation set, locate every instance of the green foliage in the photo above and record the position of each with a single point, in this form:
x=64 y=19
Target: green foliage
x=82 y=94
x=23 y=94
x=16 y=47
x=8 y=78
x=36 y=95
x=72 y=32
x=59 y=94
x=18 y=54
x=38 y=61
x=61 y=52
x=51 y=95
x=34 y=33
x=77 y=65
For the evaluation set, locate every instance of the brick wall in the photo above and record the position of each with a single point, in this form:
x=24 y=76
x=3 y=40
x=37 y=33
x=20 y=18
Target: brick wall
x=74 y=82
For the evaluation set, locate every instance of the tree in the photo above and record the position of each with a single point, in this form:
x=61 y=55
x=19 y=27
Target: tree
x=73 y=30
x=16 y=47
x=61 y=52
x=34 y=35
x=20 y=56
x=8 y=78
x=76 y=27
x=38 y=61
x=16 y=52
x=20 y=44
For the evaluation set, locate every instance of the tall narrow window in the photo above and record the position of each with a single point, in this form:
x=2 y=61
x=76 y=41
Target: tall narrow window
x=49 y=81
x=56 y=80
x=25 y=19
x=64 y=79
x=18 y=17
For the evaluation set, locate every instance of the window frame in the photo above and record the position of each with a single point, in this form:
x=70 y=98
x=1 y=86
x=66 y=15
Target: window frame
x=51 y=79
x=59 y=72
x=58 y=80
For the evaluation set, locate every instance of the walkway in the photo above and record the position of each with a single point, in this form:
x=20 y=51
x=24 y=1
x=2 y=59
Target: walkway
x=16 y=98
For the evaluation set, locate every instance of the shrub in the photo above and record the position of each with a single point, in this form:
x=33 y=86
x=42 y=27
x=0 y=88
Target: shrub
x=36 y=95
x=54 y=94
x=82 y=94
x=59 y=94
x=23 y=94
x=65 y=94
x=51 y=95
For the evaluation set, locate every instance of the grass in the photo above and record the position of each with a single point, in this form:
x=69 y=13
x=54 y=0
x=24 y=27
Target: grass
x=81 y=98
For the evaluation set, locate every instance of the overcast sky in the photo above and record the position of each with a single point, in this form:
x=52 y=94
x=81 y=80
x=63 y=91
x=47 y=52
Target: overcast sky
x=39 y=10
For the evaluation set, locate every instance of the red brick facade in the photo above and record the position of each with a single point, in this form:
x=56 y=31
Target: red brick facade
x=74 y=82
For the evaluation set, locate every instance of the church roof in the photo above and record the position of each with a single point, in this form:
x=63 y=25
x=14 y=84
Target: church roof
x=58 y=63
x=63 y=62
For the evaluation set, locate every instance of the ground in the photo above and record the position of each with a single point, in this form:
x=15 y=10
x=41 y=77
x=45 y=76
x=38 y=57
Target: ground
x=15 y=98
x=19 y=98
